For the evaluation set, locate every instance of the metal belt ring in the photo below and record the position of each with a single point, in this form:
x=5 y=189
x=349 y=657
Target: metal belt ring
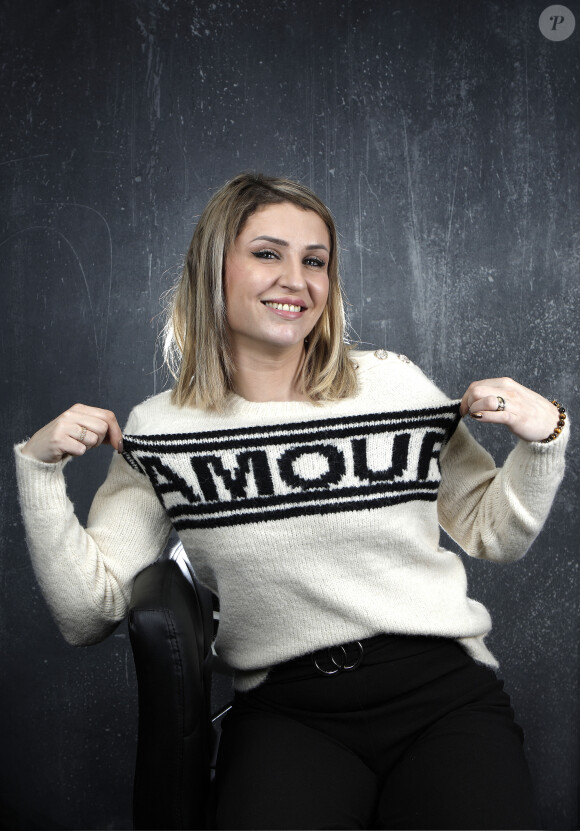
x=358 y=661
x=320 y=669
x=342 y=663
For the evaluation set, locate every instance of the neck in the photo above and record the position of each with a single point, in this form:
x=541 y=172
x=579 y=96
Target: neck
x=270 y=377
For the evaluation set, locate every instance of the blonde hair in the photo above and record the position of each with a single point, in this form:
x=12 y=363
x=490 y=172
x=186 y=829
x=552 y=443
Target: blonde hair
x=197 y=350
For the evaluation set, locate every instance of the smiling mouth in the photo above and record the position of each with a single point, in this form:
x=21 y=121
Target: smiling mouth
x=284 y=307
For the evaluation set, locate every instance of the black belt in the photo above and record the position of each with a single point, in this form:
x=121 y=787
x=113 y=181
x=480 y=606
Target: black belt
x=346 y=657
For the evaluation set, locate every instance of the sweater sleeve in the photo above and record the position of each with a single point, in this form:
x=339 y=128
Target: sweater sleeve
x=86 y=575
x=496 y=513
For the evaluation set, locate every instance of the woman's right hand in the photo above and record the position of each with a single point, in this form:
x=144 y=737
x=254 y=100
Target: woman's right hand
x=73 y=433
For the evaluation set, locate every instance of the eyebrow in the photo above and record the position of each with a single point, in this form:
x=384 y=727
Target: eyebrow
x=277 y=241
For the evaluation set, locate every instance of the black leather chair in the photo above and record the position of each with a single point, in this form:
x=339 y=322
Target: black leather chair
x=171 y=626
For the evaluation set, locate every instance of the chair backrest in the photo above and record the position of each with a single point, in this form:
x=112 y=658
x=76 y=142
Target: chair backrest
x=171 y=631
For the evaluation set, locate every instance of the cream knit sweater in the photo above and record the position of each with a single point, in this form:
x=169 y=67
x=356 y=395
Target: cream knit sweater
x=316 y=525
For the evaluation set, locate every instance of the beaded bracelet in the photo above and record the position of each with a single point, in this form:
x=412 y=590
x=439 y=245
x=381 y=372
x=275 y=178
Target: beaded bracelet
x=561 y=423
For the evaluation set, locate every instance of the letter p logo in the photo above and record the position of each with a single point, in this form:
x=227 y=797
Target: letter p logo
x=557 y=23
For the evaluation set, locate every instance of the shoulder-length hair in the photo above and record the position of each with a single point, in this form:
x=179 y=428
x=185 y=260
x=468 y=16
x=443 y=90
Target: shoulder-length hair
x=197 y=348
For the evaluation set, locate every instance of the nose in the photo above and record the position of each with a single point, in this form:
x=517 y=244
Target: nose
x=292 y=276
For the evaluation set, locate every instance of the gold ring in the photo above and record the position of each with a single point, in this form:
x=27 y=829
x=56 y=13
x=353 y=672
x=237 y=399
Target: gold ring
x=500 y=404
x=83 y=434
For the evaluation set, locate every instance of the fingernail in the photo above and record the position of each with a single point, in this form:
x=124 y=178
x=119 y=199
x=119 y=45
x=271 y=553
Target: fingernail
x=120 y=446
x=476 y=415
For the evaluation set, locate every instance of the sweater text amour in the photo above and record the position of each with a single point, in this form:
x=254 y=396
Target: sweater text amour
x=247 y=475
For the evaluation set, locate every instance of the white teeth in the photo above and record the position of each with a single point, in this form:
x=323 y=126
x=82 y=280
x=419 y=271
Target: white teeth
x=283 y=307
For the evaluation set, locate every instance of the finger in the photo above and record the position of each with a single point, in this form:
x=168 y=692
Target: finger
x=86 y=409
x=79 y=426
x=99 y=421
x=493 y=417
x=489 y=387
x=490 y=404
x=464 y=405
x=475 y=393
x=68 y=446
x=114 y=435
x=89 y=438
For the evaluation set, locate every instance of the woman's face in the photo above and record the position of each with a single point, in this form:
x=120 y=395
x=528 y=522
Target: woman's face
x=276 y=279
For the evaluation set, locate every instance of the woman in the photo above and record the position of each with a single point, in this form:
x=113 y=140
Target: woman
x=307 y=483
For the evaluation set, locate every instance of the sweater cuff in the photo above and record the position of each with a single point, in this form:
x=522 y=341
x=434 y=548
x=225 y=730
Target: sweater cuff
x=542 y=459
x=41 y=485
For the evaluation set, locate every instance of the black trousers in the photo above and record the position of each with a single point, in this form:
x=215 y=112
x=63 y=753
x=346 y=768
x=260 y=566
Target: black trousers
x=418 y=736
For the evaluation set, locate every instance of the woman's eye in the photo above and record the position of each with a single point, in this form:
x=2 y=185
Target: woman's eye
x=265 y=254
x=315 y=261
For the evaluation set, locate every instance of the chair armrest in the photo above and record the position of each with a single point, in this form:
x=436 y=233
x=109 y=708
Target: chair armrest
x=171 y=630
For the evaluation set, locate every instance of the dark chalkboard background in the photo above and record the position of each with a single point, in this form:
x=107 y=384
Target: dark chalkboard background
x=444 y=136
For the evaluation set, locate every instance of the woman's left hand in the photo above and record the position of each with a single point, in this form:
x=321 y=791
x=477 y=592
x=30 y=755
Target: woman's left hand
x=528 y=415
